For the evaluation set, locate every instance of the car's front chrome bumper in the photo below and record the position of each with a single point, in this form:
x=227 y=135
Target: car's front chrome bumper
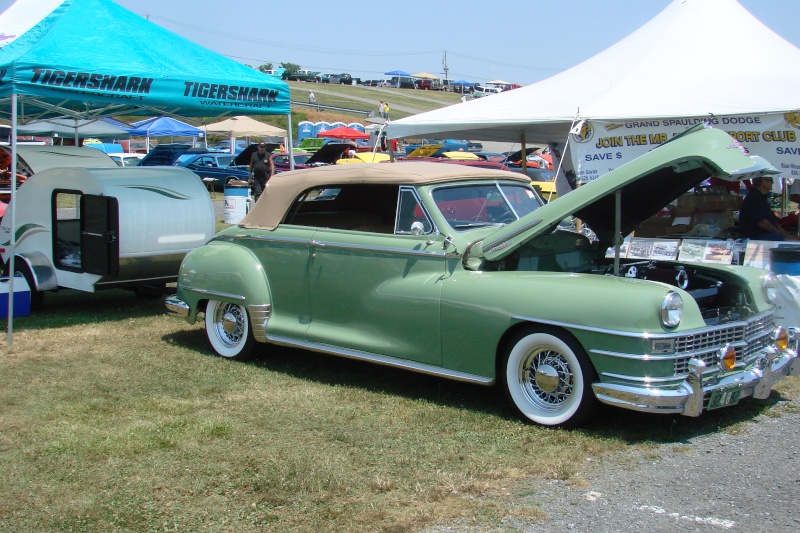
x=687 y=399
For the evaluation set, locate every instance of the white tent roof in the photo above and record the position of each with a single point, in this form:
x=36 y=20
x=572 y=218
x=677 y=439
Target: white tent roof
x=694 y=58
x=244 y=126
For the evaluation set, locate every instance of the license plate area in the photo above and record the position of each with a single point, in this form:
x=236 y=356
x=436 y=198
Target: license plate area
x=724 y=397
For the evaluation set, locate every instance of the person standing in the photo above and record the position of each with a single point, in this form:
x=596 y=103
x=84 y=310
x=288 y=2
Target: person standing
x=380 y=108
x=261 y=170
x=386 y=110
x=311 y=98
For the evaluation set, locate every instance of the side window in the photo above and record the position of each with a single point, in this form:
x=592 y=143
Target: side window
x=409 y=210
x=67 y=234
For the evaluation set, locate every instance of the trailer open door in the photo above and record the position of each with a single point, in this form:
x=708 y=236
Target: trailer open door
x=99 y=235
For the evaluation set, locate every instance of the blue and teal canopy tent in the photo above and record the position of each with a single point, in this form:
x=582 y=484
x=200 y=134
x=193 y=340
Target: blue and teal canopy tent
x=88 y=59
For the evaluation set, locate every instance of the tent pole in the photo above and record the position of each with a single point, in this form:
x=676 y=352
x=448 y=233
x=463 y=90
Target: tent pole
x=13 y=205
x=524 y=153
x=290 y=144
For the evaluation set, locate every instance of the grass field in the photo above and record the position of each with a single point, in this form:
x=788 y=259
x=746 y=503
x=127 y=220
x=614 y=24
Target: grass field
x=116 y=417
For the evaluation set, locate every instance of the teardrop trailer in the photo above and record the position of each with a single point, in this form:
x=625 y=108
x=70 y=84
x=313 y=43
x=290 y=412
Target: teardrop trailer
x=84 y=223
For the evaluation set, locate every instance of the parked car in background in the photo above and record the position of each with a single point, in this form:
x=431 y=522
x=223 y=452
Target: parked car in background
x=479 y=91
x=219 y=167
x=344 y=78
x=281 y=160
x=225 y=146
x=168 y=153
x=403 y=82
x=322 y=78
x=126 y=159
x=463 y=273
x=429 y=84
x=372 y=83
x=301 y=75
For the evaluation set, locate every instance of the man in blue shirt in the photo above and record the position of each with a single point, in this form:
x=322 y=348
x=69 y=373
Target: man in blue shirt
x=756 y=219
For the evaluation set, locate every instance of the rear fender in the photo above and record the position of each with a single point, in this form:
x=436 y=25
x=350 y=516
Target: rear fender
x=225 y=272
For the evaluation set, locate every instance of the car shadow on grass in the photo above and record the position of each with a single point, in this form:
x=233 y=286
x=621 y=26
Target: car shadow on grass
x=607 y=422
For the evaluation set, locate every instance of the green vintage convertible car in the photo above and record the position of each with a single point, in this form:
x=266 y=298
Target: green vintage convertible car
x=465 y=273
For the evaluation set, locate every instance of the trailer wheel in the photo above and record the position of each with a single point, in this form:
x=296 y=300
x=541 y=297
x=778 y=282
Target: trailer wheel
x=37 y=296
x=228 y=330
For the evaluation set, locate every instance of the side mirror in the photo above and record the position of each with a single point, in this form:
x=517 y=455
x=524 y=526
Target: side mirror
x=417 y=229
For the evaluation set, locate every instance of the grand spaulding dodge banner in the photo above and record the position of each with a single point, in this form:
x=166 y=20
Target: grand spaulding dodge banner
x=601 y=146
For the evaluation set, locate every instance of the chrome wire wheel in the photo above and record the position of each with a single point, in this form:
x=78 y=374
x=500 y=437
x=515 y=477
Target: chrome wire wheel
x=548 y=378
x=228 y=329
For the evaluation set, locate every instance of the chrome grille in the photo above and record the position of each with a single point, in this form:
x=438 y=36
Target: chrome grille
x=749 y=340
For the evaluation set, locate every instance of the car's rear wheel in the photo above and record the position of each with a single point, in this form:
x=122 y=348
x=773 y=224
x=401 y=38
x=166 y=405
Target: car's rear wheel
x=548 y=377
x=228 y=330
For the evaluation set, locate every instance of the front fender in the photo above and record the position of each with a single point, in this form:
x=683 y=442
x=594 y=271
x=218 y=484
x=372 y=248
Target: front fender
x=222 y=271
x=478 y=308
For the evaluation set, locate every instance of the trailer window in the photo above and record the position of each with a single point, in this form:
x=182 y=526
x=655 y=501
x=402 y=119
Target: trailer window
x=67 y=234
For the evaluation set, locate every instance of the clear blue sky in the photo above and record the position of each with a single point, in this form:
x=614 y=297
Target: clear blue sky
x=520 y=41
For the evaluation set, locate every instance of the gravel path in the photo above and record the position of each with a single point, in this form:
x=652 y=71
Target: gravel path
x=745 y=478
x=747 y=481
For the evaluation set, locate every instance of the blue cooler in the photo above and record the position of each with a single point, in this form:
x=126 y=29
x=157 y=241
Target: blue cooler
x=785 y=260
x=22 y=296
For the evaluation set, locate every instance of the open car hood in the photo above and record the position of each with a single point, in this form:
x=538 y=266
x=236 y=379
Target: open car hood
x=244 y=157
x=645 y=185
x=328 y=153
x=426 y=150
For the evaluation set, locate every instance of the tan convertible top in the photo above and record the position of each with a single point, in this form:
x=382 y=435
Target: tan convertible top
x=285 y=187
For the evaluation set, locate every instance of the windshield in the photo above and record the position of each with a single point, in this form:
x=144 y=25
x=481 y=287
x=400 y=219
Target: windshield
x=473 y=206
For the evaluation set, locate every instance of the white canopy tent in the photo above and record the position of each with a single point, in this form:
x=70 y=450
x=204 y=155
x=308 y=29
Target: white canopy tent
x=244 y=126
x=696 y=58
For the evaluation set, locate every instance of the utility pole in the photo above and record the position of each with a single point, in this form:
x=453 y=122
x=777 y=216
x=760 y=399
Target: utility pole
x=444 y=65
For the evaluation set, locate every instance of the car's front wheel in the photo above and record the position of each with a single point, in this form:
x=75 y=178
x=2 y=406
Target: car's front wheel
x=228 y=330
x=548 y=378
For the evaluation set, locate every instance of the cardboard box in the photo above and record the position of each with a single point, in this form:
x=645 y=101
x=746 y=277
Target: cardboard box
x=22 y=297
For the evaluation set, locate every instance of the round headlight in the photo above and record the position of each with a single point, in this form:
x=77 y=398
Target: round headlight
x=671 y=309
x=769 y=285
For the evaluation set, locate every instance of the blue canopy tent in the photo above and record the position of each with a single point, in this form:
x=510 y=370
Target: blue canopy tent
x=163 y=127
x=88 y=59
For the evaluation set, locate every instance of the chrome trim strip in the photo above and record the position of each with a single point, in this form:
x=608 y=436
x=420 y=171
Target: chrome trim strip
x=670 y=357
x=637 y=357
x=268 y=238
x=215 y=293
x=526 y=227
x=645 y=335
x=676 y=379
x=415 y=366
x=376 y=249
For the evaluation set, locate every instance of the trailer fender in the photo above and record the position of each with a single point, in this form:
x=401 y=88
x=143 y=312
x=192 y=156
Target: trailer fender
x=43 y=275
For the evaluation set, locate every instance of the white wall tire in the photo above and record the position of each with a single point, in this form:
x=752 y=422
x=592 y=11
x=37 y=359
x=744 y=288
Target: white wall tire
x=548 y=378
x=228 y=330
